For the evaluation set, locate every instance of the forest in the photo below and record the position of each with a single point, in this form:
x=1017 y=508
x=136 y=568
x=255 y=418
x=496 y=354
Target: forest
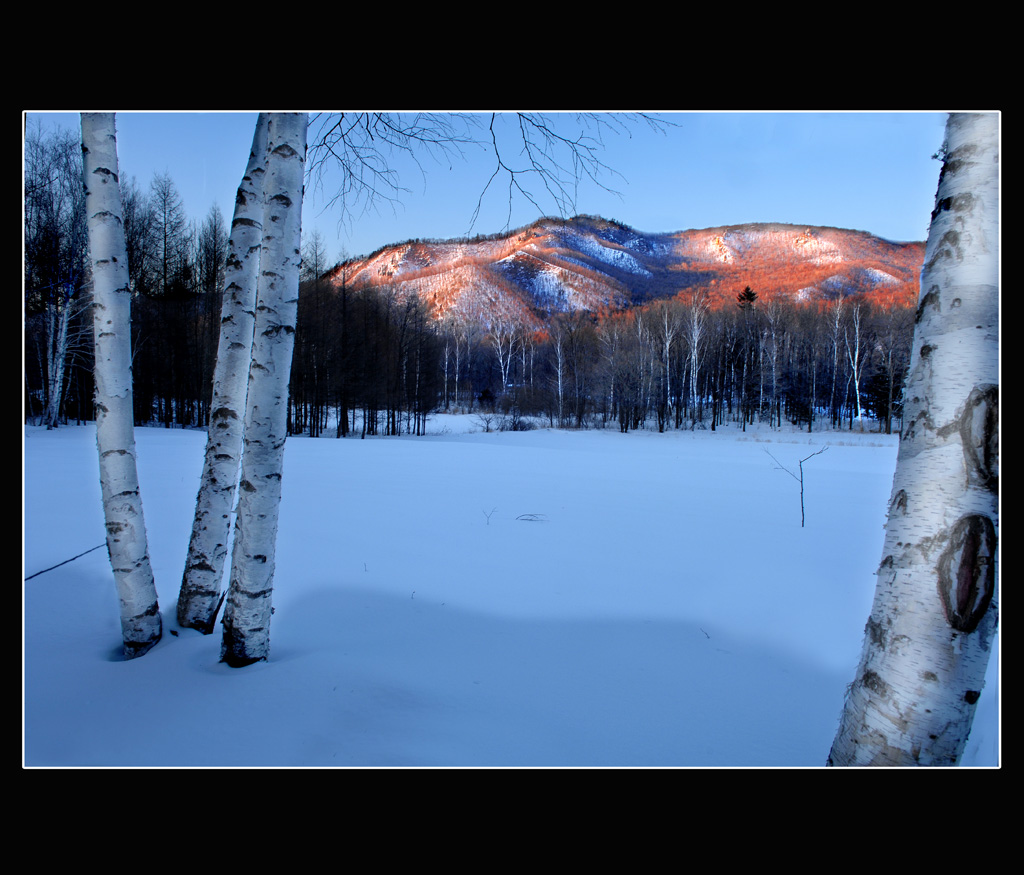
x=375 y=361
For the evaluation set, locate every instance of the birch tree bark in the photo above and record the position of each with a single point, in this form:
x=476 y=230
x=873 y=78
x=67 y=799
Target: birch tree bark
x=932 y=626
x=248 y=605
x=200 y=597
x=127 y=546
x=58 y=317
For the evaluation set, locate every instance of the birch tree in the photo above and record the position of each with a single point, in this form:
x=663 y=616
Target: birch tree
x=504 y=334
x=200 y=597
x=835 y=327
x=932 y=626
x=248 y=605
x=695 y=329
x=854 y=353
x=127 y=545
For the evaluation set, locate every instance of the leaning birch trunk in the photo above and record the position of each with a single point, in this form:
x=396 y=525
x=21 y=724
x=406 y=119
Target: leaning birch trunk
x=932 y=626
x=127 y=546
x=200 y=596
x=56 y=354
x=248 y=607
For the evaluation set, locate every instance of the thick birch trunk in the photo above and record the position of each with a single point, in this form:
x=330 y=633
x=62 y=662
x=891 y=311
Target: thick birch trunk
x=933 y=623
x=141 y=625
x=248 y=607
x=200 y=597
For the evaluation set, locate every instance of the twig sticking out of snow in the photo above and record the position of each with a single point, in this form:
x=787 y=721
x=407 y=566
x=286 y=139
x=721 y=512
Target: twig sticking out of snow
x=66 y=561
x=799 y=479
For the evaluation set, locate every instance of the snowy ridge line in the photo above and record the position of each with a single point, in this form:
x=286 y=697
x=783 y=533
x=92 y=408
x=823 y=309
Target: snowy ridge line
x=66 y=561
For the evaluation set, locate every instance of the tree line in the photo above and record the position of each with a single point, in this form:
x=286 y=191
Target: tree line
x=176 y=273
x=683 y=363
x=373 y=360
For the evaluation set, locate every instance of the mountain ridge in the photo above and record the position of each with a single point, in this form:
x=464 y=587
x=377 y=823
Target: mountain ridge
x=590 y=263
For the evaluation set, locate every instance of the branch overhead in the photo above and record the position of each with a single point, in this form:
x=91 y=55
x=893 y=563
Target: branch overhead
x=542 y=156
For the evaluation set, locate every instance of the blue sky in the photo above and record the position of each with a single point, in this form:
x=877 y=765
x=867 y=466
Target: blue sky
x=867 y=171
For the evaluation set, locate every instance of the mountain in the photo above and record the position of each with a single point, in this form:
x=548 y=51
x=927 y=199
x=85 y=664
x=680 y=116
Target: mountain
x=590 y=263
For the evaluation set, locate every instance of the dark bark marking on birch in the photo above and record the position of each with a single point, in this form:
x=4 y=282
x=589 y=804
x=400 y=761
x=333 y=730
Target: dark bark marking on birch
x=105 y=171
x=923 y=419
x=285 y=151
x=873 y=682
x=943 y=205
x=966 y=573
x=876 y=633
x=929 y=300
x=979 y=435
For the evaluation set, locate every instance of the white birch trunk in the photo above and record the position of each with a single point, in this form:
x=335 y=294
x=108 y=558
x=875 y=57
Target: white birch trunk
x=248 y=606
x=200 y=596
x=698 y=318
x=58 y=319
x=560 y=372
x=853 y=354
x=933 y=623
x=141 y=624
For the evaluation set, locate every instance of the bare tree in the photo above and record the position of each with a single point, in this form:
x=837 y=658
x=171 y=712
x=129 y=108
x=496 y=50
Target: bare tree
x=695 y=330
x=56 y=249
x=667 y=324
x=855 y=355
x=893 y=341
x=505 y=333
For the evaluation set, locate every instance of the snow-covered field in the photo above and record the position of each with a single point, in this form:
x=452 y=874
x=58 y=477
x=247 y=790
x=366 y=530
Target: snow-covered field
x=542 y=598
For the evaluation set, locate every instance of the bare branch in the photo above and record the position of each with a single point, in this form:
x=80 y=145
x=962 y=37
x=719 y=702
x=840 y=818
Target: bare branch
x=543 y=157
x=812 y=455
x=781 y=467
x=556 y=162
x=362 y=147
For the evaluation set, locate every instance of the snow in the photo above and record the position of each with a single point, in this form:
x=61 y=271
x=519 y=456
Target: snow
x=663 y=608
x=595 y=247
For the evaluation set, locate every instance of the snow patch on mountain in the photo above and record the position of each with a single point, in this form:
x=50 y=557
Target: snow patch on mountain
x=810 y=246
x=596 y=248
x=554 y=288
x=880 y=277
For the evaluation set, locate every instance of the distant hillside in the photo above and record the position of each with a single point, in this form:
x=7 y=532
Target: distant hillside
x=590 y=263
